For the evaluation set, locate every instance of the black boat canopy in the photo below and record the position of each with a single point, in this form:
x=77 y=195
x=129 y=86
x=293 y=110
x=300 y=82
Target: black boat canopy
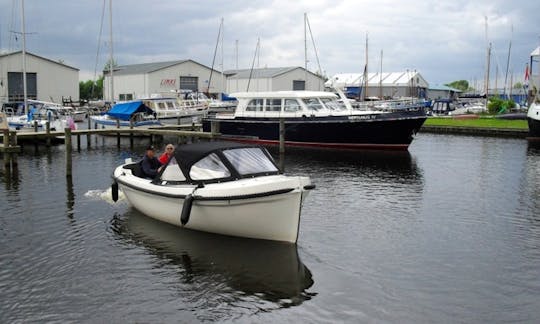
x=188 y=155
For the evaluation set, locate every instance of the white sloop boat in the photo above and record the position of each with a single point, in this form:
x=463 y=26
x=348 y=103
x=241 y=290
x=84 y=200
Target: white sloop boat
x=219 y=187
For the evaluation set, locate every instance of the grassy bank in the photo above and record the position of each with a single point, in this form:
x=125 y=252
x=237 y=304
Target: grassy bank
x=483 y=122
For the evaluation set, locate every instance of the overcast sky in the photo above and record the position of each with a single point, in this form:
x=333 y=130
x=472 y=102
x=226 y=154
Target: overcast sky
x=444 y=40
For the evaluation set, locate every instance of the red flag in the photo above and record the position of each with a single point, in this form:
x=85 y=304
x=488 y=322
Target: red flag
x=527 y=72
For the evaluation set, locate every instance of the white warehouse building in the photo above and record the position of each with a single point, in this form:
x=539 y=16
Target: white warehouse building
x=139 y=81
x=385 y=85
x=46 y=80
x=273 y=79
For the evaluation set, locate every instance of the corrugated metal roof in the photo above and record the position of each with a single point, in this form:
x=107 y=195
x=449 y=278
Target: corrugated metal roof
x=143 y=67
x=263 y=73
x=442 y=87
x=40 y=57
x=387 y=78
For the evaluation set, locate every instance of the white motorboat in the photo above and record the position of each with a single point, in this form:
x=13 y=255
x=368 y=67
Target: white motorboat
x=128 y=114
x=533 y=119
x=219 y=187
x=171 y=109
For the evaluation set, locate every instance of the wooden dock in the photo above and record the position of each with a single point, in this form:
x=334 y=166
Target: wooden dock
x=10 y=139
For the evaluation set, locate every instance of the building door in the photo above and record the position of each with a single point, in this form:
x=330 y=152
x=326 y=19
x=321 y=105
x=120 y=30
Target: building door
x=189 y=83
x=15 y=86
x=299 y=85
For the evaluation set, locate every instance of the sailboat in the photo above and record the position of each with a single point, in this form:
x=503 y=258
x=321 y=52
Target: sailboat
x=33 y=115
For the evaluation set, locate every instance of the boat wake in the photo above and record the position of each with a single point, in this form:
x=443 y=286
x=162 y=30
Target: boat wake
x=105 y=195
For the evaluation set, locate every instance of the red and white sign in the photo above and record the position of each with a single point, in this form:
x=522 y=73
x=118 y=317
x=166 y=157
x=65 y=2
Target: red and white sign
x=168 y=82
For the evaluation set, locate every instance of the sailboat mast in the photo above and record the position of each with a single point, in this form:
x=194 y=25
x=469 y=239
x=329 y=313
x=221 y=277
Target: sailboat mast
x=25 y=91
x=508 y=63
x=111 y=60
x=305 y=50
x=380 y=79
x=366 y=72
x=222 y=66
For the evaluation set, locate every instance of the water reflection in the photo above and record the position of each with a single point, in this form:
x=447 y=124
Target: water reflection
x=10 y=178
x=398 y=164
x=268 y=270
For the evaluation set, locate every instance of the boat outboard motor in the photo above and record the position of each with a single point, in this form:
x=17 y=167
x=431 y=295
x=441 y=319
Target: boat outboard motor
x=114 y=191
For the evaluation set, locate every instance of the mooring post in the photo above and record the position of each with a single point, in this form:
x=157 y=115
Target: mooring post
x=78 y=142
x=130 y=134
x=7 y=153
x=35 y=126
x=48 y=132
x=13 y=142
x=118 y=134
x=67 y=132
x=282 y=144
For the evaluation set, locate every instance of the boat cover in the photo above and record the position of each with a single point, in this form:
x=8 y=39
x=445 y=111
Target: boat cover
x=124 y=111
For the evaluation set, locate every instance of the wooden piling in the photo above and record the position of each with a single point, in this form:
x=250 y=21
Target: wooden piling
x=118 y=134
x=69 y=171
x=48 y=132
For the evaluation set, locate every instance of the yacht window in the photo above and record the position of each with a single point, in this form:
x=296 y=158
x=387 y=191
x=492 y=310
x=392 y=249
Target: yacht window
x=313 y=103
x=209 y=168
x=250 y=161
x=273 y=105
x=161 y=105
x=170 y=105
x=172 y=172
x=291 y=105
x=255 y=105
x=333 y=104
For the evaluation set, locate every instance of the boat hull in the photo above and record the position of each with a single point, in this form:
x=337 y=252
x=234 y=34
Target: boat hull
x=533 y=119
x=252 y=208
x=391 y=131
x=102 y=122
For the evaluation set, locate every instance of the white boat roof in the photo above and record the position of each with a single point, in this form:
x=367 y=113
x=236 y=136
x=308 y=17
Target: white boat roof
x=536 y=52
x=283 y=94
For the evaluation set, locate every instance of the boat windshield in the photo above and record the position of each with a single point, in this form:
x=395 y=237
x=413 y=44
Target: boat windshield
x=313 y=103
x=250 y=161
x=210 y=167
x=333 y=104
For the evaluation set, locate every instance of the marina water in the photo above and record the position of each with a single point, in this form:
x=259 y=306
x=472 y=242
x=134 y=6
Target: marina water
x=447 y=232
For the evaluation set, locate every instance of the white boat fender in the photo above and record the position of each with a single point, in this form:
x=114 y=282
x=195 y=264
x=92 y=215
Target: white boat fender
x=114 y=191
x=186 y=209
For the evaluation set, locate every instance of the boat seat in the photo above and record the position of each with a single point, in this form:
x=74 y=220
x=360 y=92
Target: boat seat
x=136 y=169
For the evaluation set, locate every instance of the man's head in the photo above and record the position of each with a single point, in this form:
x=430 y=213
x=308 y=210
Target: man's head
x=150 y=151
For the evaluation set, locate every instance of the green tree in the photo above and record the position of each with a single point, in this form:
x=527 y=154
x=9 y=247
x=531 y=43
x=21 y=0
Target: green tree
x=462 y=85
x=91 y=90
x=518 y=85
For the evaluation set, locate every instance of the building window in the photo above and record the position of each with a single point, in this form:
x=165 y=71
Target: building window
x=299 y=85
x=189 y=83
x=125 y=96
